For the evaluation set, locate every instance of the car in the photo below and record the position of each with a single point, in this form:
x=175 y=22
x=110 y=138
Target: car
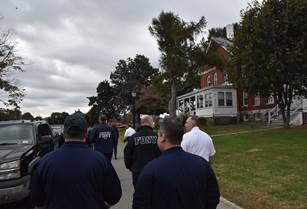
x=22 y=144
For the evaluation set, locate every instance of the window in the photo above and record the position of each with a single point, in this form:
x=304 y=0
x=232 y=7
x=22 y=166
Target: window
x=221 y=99
x=209 y=83
x=228 y=99
x=200 y=101
x=215 y=79
x=208 y=100
x=257 y=100
x=245 y=99
x=271 y=99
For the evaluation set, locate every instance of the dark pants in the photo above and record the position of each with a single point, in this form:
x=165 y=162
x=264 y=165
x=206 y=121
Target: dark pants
x=115 y=149
x=108 y=156
x=135 y=176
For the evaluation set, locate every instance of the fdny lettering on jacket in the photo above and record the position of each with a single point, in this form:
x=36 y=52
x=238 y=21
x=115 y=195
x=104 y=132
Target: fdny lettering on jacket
x=105 y=135
x=145 y=140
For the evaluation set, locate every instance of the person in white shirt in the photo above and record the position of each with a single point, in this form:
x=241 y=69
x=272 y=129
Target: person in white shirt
x=196 y=141
x=129 y=132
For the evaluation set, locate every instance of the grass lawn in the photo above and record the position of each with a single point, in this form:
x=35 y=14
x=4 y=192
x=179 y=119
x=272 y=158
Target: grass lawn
x=262 y=170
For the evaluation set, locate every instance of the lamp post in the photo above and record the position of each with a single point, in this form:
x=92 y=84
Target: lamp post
x=133 y=95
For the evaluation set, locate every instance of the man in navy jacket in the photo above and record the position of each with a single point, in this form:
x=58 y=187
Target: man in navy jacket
x=103 y=136
x=177 y=179
x=74 y=176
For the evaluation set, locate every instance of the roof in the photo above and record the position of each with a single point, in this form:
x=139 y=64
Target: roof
x=223 y=42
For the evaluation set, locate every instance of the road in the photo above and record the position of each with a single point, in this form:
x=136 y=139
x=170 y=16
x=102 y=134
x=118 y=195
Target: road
x=126 y=183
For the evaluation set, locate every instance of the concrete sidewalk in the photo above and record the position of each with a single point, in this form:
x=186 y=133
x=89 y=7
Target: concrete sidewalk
x=126 y=182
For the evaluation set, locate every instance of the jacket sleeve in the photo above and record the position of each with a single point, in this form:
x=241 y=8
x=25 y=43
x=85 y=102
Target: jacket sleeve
x=213 y=193
x=128 y=154
x=112 y=191
x=37 y=189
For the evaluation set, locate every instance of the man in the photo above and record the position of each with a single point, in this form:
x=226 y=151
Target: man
x=113 y=125
x=177 y=179
x=196 y=141
x=74 y=176
x=103 y=137
x=129 y=132
x=141 y=148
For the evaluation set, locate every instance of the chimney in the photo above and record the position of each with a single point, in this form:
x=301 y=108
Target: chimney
x=229 y=31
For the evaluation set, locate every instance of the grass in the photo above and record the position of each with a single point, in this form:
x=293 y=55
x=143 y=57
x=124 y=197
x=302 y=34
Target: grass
x=266 y=170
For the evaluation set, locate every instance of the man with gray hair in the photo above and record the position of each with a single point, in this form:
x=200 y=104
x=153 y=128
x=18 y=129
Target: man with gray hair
x=196 y=141
x=141 y=147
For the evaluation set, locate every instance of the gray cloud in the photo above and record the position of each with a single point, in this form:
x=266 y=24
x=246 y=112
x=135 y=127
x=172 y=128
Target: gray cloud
x=73 y=45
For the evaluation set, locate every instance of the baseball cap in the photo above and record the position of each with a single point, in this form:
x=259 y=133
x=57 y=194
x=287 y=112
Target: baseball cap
x=75 y=125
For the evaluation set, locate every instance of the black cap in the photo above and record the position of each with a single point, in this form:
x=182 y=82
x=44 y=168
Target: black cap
x=75 y=125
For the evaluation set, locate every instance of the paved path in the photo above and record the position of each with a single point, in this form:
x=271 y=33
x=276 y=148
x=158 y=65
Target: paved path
x=126 y=183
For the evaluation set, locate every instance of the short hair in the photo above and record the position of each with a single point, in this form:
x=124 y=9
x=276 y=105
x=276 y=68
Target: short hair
x=195 y=119
x=146 y=120
x=172 y=129
x=103 y=118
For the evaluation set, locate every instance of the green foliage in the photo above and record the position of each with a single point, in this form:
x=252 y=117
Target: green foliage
x=9 y=61
x=10 y=114
x=27 y=116
x=104 y=103
x=131 y=75
x=270 y=50
x=217 y=32
x=57 y=117
x=176 y=40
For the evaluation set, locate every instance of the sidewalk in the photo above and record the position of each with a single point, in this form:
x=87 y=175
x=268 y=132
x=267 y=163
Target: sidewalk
x=126 y=183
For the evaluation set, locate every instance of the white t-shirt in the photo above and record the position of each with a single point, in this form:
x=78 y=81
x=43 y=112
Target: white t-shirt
x=199 y=143
x=129 y=132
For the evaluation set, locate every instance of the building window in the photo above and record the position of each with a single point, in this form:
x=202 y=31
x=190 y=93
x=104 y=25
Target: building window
x=215 y=79
x=271 y=99
x=200 y=101
x=245 y=99
x=228 y=99
x=208 y=100
x=257 y=100
x=221 y=99
x=209 y=81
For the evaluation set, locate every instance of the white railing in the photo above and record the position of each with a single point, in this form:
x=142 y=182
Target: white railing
x=273 y=114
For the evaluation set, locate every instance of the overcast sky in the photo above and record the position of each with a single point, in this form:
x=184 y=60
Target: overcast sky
x=72 y=45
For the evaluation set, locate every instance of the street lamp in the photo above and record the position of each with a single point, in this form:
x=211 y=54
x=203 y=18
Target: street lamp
x=133 y=95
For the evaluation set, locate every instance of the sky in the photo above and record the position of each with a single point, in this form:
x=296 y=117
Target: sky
x=72 y=45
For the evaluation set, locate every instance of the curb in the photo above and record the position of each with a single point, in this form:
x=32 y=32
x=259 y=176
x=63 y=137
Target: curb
x=230 y=204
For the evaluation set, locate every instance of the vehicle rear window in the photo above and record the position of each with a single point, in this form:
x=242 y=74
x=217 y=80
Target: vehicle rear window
x=16 y=134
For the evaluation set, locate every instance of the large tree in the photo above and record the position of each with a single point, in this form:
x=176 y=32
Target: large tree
x=176 y=40
x=131 y=75
x=270 y=51
x=104 y=103
x=10 y=93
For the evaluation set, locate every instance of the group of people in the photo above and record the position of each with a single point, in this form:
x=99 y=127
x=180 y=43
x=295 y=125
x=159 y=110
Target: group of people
x=170 y=169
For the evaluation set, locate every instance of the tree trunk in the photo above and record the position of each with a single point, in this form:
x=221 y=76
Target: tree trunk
x=172 y=101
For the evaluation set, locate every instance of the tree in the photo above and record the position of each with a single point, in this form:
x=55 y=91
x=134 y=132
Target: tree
x=27 y=116
x=104 y=103
x=131 y=75
x=176 y=40
x=9 y=61
x=270 y=50
x=10 y=114
x=57 y=117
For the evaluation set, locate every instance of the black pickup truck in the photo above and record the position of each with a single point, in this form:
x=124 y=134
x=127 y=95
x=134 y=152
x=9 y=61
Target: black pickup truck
x=22 y=143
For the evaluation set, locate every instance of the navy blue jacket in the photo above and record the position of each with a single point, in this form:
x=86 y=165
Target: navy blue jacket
x=75 y=177
x=176 y=180
x=103 y=137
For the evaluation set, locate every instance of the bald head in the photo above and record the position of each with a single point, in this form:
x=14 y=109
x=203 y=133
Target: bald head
x=147 y=120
